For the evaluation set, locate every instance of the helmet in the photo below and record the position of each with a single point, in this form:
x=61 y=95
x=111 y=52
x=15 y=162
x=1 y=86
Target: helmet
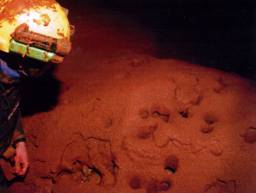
x=38 y=29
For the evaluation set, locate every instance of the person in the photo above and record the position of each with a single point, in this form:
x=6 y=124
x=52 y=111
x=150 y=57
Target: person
x=10 y=123
x=34 y=29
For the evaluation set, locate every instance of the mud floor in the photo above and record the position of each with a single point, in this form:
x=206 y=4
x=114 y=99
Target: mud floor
x=128 y=122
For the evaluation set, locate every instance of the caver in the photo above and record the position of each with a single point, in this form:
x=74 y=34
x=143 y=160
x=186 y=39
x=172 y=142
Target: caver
x=33 y=29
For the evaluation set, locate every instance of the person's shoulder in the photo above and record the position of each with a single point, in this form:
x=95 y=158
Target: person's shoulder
x=7 y=74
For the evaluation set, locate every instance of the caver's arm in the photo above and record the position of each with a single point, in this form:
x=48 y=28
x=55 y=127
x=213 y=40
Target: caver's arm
x=19 y=135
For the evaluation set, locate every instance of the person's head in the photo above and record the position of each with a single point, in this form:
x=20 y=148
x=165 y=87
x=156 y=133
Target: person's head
x=35 y=29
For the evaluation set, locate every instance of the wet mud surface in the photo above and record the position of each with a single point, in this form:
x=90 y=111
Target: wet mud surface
x=128 y=122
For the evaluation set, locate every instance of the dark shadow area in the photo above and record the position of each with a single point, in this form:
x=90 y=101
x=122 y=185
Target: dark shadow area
x=16 y=179
x=217 y=34
x=40 y=90
x=39 y=94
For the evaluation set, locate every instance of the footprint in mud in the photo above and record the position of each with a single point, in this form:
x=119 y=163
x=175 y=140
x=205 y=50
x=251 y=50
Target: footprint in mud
x=88 y=157
x=209 y=122
x=184 y=114
x=160 y=111
x=156 y=183
x=221 y=186
x=164 y=185
x=221 y=85
x=171 y=164
x=210 y=118
x=155 y=186
x=156 y=111
x=206 y=129
x=144 y=113
x=150 y=186
x=135 y=182
x=146 y=132
x=249 y=135
x=216 y=149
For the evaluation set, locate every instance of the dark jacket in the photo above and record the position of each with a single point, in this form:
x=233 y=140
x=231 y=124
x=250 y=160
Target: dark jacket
x=11 y=130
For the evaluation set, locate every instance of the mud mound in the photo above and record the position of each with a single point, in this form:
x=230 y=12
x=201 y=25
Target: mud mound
x=129 y=122
x=138 y=124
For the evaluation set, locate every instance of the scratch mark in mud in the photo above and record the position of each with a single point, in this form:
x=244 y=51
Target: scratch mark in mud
x=139 y=155
x=147 y=156
x=193 y=148
x=221 y=186
x=93 y=153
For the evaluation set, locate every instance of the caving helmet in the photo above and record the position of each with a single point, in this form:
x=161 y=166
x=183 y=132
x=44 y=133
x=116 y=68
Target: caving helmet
x=38 y=29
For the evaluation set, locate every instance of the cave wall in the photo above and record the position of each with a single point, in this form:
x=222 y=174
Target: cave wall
x=218 y=34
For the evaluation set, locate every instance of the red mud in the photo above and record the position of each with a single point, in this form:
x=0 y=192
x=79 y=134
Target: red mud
x=128 y=122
